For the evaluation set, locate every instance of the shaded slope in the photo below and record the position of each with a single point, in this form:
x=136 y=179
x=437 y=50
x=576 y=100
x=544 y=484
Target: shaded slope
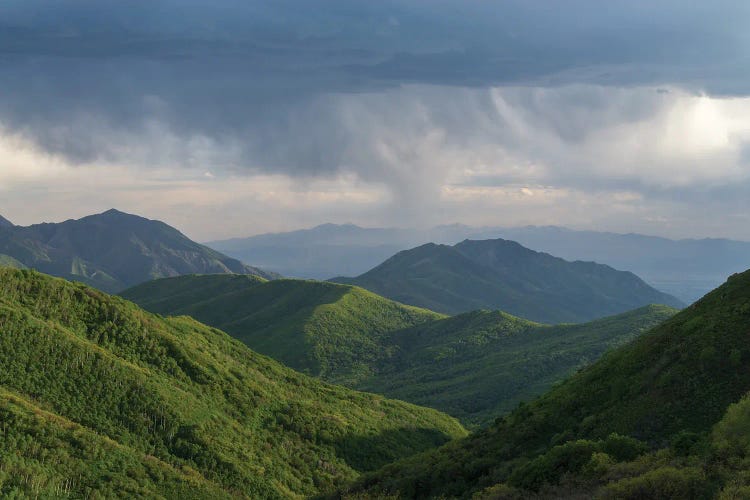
x=687 y=269
x=500 y=274
x=5 y=222
x=677 y=380
x=162 y=405
x=474 y=366
x=113 y=251
x=480 y=365
x=436 y=277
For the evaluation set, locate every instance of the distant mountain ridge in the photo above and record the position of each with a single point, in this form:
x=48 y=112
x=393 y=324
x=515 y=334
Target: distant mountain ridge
x=687 y=268
x=504 y=275
x=474 y=366
x=114 y=250
x=5 y=222
x=319 y=253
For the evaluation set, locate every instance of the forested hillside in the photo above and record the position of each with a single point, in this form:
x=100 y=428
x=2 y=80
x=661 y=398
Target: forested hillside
x=474 y=366
x=480 y=365
x=665 y=416
x=328 y=330
x=100 y=399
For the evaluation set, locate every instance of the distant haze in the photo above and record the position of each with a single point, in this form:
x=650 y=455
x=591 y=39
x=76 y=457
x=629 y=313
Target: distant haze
x=686 y=269
x=230 y=118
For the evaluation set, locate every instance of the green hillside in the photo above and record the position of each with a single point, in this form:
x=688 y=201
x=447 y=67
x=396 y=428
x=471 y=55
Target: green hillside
x=100 y=399
x=672 y=389
x=481 y=364
x=113 y=251
x=474 y=366
x=323 y=329
x=500 y=274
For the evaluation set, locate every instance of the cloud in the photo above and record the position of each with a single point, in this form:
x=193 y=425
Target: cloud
x=401 y=111
x=241 y=81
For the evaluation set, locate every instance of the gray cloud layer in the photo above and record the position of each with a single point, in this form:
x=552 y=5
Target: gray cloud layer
x=412 y=94
x=232 y=67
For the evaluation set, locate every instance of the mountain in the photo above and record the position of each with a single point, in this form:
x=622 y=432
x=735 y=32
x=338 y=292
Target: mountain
x=474 y=366
x=500 y=274
x=100 y=399
x=5 y=222
x=665 y=416
x=113 y=250
x=687 y=269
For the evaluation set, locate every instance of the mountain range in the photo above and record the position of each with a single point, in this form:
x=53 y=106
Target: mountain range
x=501 y=274
x=112 y=251
x=322 y=252
x=687 y=268
x=100 y=399
x=665 y=416
x=474 y=366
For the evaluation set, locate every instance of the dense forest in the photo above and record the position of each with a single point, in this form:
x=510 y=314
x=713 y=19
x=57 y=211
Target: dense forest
x=665 y=416
x=101 y=399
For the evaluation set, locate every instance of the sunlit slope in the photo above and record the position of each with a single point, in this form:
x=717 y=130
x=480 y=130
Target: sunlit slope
x=100 y=397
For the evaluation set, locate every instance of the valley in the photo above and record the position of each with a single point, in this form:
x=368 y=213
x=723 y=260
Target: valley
x=474 y=366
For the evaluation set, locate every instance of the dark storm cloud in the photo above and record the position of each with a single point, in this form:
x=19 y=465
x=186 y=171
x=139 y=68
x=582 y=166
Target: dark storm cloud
x=268 y=86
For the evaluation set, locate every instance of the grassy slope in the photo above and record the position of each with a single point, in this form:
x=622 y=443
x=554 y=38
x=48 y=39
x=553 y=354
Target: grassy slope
x=500 y=274
x=675 y=381
x=98 y=396
x=474 y=366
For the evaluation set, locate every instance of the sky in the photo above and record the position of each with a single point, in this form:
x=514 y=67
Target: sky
x=236 y=117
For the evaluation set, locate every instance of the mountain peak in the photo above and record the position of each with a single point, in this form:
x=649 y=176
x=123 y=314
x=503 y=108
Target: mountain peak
x=114 y=250
x=113 y=216
x=115 y=212
x=503 y=274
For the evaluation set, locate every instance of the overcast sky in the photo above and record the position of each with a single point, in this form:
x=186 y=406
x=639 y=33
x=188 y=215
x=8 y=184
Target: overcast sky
x=236 y=117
